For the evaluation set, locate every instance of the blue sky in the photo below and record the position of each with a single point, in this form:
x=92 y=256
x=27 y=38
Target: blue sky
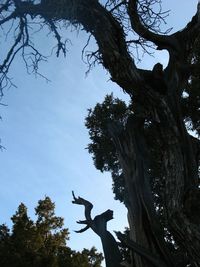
x=43 y=131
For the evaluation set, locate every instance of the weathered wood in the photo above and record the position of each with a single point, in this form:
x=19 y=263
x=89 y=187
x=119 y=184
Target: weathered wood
x=111 y=251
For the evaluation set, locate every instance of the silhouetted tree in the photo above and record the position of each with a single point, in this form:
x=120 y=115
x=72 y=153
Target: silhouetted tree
x=41 y=243
x=151 y=141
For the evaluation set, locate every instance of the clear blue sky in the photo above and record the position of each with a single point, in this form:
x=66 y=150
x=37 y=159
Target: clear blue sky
x=43 y=131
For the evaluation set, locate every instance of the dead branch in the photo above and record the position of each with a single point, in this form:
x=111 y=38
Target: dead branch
x=99 y=226
x=88 y=206
x=140 y=28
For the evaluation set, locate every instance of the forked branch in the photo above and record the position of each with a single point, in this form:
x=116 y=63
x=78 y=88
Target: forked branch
x=141 y=29
x=112 y=254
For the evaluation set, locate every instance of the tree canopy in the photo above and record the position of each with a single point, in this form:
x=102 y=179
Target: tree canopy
x=42 y=242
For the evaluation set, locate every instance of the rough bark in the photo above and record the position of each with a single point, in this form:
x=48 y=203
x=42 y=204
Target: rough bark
x=133 y=156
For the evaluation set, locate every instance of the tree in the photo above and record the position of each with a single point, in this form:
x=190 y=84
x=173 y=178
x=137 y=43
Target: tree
x=41 y=243
x=155 y=152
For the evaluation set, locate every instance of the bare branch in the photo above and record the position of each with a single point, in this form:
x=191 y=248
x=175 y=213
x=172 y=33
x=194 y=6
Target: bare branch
x=144 y=30
x=11 y=16
x=5 y=6
x=11 y=54
x=82 y=222
x=116 y=6
x=83 y=229
x=21 y=44
x=99 y=226
x=60 y=46
x=88 y=206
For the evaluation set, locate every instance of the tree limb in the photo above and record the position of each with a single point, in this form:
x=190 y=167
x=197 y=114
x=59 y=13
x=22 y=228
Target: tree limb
x=158 y=39
x=87 y=204
x=97 y=20
x=99 y=226
x=140 y=250
x=82 y=230
x=192 y=28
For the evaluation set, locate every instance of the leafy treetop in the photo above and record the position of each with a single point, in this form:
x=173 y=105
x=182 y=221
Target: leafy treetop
x=41 y=243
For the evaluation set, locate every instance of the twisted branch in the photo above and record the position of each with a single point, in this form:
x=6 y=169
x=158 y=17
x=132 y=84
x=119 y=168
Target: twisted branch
x=112 y=254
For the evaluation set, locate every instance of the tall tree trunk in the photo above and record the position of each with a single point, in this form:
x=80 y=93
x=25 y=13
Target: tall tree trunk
x=181 y=180
x=143 y=221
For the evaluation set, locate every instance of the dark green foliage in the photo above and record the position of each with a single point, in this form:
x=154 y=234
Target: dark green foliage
x=86 y=258
x=102 y=148
x=97 y=121
x=105 y=158
x=41 y=243
x=93 y=257
x=125 y=251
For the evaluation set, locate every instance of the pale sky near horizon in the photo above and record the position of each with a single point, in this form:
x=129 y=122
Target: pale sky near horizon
x=43 y=131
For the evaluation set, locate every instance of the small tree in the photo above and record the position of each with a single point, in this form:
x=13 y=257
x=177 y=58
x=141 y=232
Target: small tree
x=41 y=243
